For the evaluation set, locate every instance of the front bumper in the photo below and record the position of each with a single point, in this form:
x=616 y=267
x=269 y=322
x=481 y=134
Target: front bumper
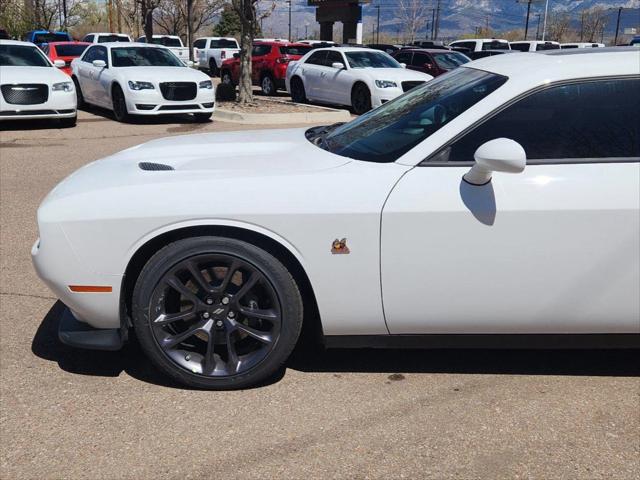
x=151 y=102
x=80 y=335
x=59 y=105
x=383 y=95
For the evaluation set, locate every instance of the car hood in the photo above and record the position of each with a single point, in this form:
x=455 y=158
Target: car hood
x=165 y=74
x=192 y=158
x=46 y=75
x=396 y=74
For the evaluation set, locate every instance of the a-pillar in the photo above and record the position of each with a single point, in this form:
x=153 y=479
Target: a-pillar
x=326 y=31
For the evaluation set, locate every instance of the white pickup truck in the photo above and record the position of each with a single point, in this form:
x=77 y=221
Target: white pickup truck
x=173 y=43
x=210 y=52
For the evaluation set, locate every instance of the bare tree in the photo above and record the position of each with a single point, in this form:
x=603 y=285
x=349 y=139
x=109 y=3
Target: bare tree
x=147 y=8
x=559 y=27
x=249 y=25
x=593 y=21
x=414 y=15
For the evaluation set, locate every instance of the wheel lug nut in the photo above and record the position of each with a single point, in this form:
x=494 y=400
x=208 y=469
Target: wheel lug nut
x=225 y=300
x=205 y=315
x=231 y=314
x=209 y=301
x=219 y=323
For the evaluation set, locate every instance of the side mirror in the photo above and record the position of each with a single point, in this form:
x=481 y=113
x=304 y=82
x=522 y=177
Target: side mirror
x=59 y=63
x=236 y=55
x=499 y=155
x=403 y=65
x=99 y=63
x=190 y=63
x=338 y=65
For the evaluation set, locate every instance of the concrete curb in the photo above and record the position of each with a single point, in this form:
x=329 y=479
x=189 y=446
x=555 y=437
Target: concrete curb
x=325 y=116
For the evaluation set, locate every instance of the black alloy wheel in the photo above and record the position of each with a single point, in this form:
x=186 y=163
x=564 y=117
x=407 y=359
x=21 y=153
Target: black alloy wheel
x=216 y=313
x=119 y=105
x=361 y=99
x=298 y=94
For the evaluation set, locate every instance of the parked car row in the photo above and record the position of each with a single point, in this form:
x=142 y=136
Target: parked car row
x=127 y=78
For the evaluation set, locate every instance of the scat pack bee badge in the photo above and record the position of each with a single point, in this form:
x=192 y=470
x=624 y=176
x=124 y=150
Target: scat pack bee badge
x=339 y=247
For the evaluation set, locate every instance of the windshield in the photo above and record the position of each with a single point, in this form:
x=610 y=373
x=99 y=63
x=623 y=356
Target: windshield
x=389 y=131
x=495 y=45
x=50 y=37
x=112 y=38
x=70 y=50
x=450 y=60
x=143 y=57
x=371 y=60
x=297 y=50
x=166 y=41
x=22 y=56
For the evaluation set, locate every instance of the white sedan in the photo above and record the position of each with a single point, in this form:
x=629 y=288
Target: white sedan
x=32 y=87
x=498 y=204
x=141 y=79
x=361 y=78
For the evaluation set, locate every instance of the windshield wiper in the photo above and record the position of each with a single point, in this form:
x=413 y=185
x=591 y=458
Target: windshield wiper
x=317 y=135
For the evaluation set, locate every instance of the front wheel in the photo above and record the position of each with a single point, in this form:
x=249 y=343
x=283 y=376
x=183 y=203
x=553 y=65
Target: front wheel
x=216 y=313
x=120 y=105
x=360 y=99
x=225 y=77
x=79 y=96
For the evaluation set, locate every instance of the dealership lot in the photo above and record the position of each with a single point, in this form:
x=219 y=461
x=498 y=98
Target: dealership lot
x=366 y=414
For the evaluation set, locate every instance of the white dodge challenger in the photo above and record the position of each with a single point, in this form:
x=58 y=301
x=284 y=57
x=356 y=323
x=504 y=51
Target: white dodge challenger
x=495 y=205
x=141 y=79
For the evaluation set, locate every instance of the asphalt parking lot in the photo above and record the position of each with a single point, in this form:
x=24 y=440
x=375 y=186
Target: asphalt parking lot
x=339 y=414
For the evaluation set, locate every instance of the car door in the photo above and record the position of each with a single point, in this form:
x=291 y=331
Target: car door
x=551 y=250
x=85 y=73
x=98 y=77
x=420 y=62
x=258 y=61
x=335 y=83
x=404 y=57
x=310 y=72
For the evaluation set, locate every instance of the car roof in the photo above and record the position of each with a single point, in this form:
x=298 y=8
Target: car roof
x=349 y=49
x=160 y=35
x=129 y=44
x=279 y=43
x=558 y=65
x=534 y=41
x=428 y=50
x=17 y=42
x=107 y=33
x=481 y=40
x=69 y=42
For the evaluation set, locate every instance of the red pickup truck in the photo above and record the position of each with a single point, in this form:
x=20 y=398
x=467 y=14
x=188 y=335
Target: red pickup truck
x=269 y=64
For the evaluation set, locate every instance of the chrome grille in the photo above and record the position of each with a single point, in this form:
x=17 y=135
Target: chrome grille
x=25 y=93
x=179 y=90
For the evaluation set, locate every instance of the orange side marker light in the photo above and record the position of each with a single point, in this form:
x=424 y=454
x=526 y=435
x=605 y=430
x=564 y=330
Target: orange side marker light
x=90 y=289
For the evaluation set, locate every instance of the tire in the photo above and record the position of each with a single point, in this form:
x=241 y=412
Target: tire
x=119 y=105
x=202 y=117
x=268 y=85
x=79 y=96
x=298 y=93
x=195 y=336
x=214 y=71
x=226 y=78
x=360 y=99
x=68 y=122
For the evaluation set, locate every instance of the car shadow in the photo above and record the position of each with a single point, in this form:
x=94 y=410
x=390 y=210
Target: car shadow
x=132 y=361
x=21 y=125
x=104 y=114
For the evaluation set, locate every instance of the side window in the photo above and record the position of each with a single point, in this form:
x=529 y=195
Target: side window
x=317 y=58
x=260 y=50
x=586 y=120
x=404 y=57
x=523 y=47
x=101 y=54
x=88 y=38
x=200 y=43
x=419 y=59
x=333 y=57
x=90 y=54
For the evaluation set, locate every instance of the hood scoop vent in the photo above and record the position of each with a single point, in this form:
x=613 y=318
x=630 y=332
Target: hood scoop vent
x=154 y=167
